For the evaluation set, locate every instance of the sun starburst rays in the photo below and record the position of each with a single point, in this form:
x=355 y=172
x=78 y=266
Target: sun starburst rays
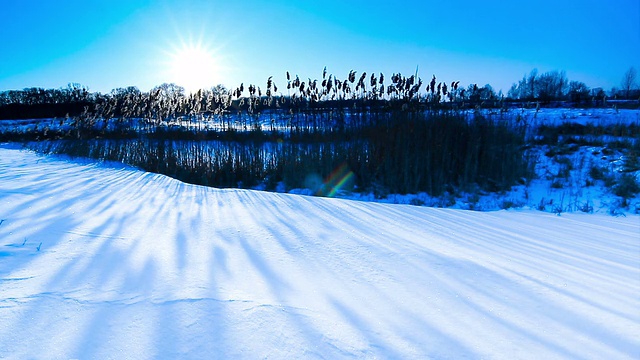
x=193 y=63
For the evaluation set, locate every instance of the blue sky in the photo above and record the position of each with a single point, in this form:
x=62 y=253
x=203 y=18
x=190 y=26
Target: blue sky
x=110 y=44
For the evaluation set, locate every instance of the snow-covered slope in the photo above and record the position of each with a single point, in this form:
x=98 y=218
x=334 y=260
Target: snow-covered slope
x=100 y=262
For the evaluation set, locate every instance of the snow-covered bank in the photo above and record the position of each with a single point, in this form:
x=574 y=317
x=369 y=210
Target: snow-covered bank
x=102 y=262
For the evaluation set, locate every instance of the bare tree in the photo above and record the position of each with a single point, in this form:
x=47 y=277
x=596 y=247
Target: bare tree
x=629 y=81
x=578 y=91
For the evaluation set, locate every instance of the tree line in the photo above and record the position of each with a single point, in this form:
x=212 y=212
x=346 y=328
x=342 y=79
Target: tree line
x=170 y=100
x=554 y=86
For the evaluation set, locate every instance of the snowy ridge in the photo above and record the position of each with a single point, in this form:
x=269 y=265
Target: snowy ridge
x=100 y=262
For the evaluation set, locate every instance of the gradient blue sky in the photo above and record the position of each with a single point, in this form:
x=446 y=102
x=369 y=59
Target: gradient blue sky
x=110 y=44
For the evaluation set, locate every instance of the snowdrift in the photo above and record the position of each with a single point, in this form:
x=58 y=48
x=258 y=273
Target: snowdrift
x=111 y=262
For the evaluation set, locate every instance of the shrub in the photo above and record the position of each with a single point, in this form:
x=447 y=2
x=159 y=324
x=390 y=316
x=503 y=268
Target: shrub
x=508 y=204
x=557 y=184
x=627 y=186
x=597 y=172
x=417 y=202
x=542 y=205
x=631 y=161
x=586 y=207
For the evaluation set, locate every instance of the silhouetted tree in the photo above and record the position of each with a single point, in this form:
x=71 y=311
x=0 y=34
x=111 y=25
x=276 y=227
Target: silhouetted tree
x=551 y=86
x=578 y=92
x=546 y=87
x=629 y=81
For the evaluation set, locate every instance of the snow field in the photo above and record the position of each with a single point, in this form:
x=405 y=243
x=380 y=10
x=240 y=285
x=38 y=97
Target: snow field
x=100 y=262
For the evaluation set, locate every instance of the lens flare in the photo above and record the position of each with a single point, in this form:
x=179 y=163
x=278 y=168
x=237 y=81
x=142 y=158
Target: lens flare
x=341 y=177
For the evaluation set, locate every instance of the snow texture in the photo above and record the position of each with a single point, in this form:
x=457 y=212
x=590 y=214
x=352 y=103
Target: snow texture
x=110 y=262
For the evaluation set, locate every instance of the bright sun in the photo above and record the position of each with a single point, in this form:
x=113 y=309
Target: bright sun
x=193 y=67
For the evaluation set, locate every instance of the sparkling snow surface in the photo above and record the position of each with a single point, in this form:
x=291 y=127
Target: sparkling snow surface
x=100 y=262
